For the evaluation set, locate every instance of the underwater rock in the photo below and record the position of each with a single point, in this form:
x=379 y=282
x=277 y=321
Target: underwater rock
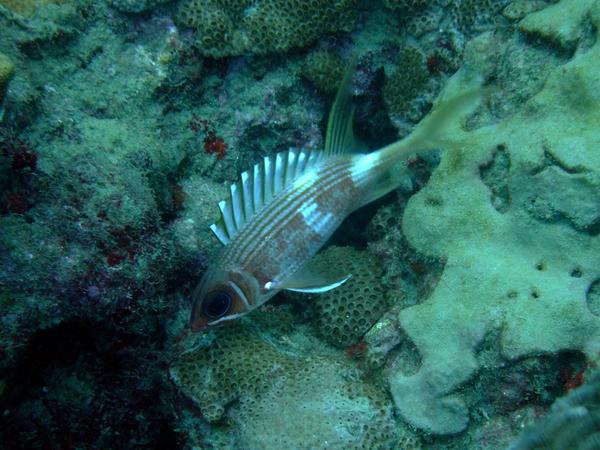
x=572 y=422
x=517 y=9
x=563 y=23
x=510 y=269
x=255 y=117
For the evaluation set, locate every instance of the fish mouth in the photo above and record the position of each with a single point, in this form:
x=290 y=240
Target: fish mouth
x=199 y=324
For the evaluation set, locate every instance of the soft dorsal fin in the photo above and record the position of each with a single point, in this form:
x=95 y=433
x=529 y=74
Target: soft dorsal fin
x=258 y=186
x=339 y=137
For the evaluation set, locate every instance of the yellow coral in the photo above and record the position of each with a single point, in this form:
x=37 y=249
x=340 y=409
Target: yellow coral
x=7 y=69
x=260 y=386
x=406 y=83
x=232 y=27
x=346 y=313
x=241 y=363
x=324 y=70
x=25 y=7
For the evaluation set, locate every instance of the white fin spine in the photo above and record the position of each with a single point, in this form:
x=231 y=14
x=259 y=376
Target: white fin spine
x=220 y=233
x=279 y=177
x=236 y=203
x=248 y=195
x=227 y=218
x=301 y=162
x=268 y=179
x=258 y=186
x=292 y=163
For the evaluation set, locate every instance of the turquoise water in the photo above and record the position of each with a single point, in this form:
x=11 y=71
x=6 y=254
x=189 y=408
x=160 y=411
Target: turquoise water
x=474 y=299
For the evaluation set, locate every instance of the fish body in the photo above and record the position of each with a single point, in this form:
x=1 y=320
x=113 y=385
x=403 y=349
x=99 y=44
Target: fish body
x=285 y=209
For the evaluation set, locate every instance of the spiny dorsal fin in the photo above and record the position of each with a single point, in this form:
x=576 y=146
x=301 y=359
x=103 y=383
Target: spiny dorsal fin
x=258 y=186
x=339 y=137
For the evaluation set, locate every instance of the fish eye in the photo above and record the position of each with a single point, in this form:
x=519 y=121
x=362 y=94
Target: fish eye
x=216 y=304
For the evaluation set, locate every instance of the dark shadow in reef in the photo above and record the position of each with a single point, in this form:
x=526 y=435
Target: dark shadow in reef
x=80 y=384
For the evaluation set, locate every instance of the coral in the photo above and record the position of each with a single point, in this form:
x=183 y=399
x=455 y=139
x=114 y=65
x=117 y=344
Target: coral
x=346 y=313
x=562 y=23
x=403 y=89
x=321 y=406
x=239 y=363
x=213 y=144
x=300 y=402
x=408 y=275
x=26 y=7
x=323 y=69
x=572 y=422
x=474 y=14
x=407 y=4
x=216 y=34
x=408 y=439
x=233 y=27
x=522 y=267
x=7 y=70
x=518 y=9
x=136 y=6
x=422 y=22
x=91 y=234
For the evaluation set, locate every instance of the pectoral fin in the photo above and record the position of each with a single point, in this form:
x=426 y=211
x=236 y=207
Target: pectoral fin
x=309 y=280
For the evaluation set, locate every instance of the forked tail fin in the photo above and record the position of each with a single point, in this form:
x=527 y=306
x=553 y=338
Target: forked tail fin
x=442 y=127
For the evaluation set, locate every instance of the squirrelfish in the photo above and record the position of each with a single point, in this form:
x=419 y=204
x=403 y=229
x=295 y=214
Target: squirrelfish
x=283 y=210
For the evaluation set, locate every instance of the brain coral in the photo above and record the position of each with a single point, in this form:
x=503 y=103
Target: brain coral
x=239 y=363
x=473 y=14
x=405 y=92
x=284 y=401
x=7 y=69
x=407 y=4
x=523 y=266
x=26 y=7
x=324 y=70
x=228 y=27
x=322 y=406
x=346 y=313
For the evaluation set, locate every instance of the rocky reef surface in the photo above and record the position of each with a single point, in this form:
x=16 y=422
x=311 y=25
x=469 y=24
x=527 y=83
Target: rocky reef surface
x=476 y=296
